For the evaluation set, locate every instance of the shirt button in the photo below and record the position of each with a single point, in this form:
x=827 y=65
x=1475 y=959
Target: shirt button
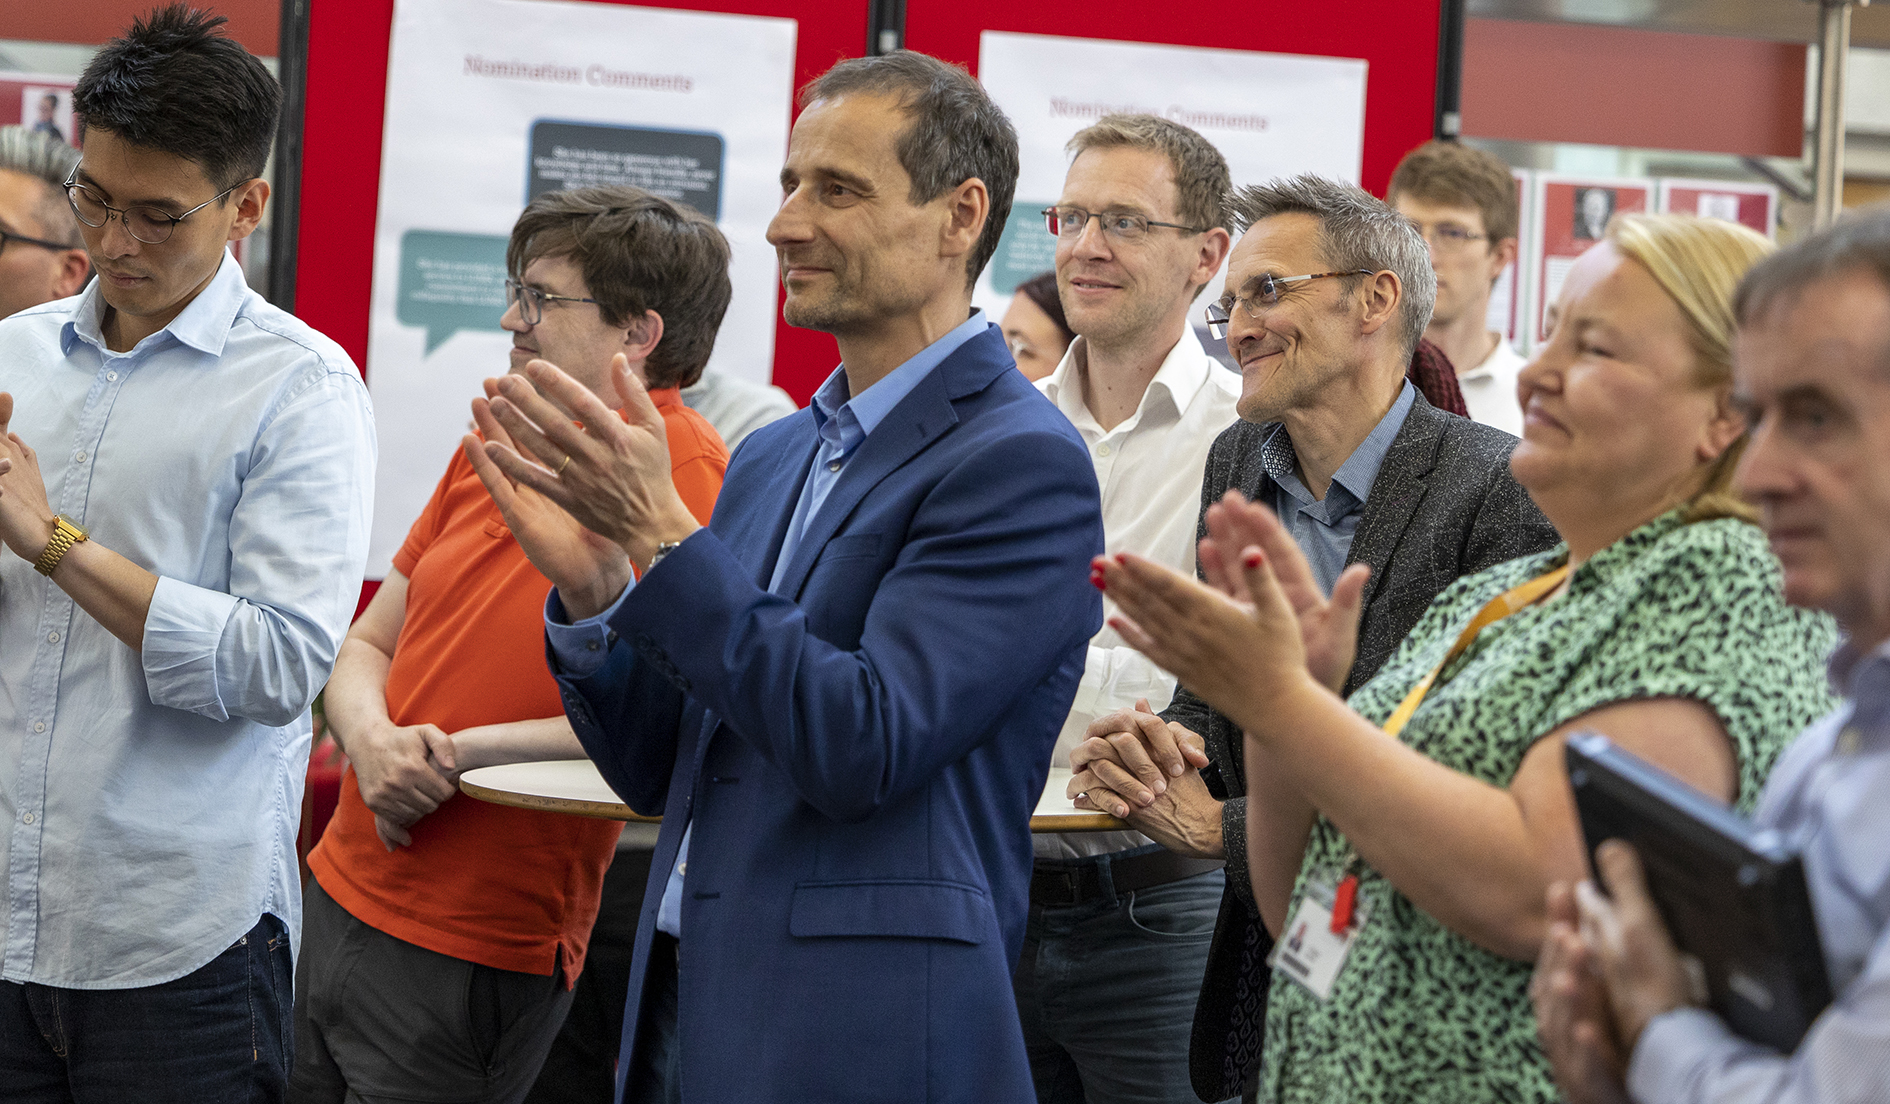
x=833 y=466
x=1103 y=450
x=52 y=638
x=26 y=818
x=111 y=377
x=592 y=645
x=39 y=726
x=682 y=868
x=80 y=456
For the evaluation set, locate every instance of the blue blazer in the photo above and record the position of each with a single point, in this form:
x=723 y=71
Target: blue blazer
x=860 y=754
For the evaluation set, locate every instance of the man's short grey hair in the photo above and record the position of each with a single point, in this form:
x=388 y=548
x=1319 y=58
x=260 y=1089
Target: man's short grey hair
x=50 y=160
x=1856 y=243
x=1356 y=231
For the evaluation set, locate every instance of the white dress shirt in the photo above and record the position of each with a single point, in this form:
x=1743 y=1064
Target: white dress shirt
x=1149 y=469
x=149 y=801
x=1489 y=389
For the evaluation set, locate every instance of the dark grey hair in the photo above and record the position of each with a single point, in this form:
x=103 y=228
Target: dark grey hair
x=1356 y=230
x=1857 y=243
x=956 y=132
x=47 y=159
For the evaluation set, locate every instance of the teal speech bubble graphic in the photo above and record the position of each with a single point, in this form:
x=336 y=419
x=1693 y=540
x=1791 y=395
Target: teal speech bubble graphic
x=451 y=282
x=1024 y=249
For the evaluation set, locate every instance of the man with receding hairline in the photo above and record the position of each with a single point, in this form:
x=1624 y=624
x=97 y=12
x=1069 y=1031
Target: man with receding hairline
x=842 y=693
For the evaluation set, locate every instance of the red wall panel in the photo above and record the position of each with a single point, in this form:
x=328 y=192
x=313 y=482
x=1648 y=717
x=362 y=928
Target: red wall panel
x=1614 y=86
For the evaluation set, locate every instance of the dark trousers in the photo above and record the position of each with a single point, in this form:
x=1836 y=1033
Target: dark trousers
x=222 y=1032
x=582 y=1065
x=655 y=1073
x=378 y=1018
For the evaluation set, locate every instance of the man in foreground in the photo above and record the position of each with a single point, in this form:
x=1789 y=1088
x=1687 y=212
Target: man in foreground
x=42 y=256
x=190 y=471
x=1141 y=228
x=1812 y=363
x=843 y=694
x=1328 y=293
x=472 y=918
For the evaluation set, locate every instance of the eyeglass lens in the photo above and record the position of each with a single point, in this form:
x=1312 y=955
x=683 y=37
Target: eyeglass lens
x=148 y=224
x=1069 y=222
x=531 y=308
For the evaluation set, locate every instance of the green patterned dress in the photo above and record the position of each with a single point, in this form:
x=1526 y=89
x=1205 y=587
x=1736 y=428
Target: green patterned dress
x=1420 y=1014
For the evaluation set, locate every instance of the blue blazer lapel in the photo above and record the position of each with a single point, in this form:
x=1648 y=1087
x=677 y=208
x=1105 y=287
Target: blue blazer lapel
x=918 y=419
x=783 y=488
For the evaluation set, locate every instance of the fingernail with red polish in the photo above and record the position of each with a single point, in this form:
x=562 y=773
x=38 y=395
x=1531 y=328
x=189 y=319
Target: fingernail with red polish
x=1122 y=557
x=1251 y=559
x=1098 y=582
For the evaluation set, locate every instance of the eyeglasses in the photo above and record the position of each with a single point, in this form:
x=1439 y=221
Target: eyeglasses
x=1069 y=222
x=1267 y=294
x=150 y=225
x=7 y=236
x=1446 y=237
x=531 y=302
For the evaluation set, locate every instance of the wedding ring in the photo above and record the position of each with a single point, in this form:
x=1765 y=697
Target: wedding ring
x=566 y=464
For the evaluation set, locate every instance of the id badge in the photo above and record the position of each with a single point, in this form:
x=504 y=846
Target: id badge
x=1311 y=952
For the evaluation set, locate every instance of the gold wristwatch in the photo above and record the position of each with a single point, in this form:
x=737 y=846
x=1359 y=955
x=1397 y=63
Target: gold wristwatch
x=65 y=534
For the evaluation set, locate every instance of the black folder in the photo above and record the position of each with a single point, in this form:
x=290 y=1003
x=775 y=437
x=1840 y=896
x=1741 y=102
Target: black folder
x=1733 y=894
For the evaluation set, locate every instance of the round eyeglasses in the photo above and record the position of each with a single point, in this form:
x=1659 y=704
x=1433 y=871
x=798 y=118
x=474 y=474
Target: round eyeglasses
x=1069 y=222
x=150 y=225
x=531 y=302
x=1266 y=293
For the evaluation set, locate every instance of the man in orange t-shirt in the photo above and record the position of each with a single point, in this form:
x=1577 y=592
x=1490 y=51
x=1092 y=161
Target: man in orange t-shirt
x=443 y=935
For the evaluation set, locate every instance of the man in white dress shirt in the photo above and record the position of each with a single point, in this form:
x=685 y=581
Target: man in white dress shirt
x=1120 y=926
x=1463 y=201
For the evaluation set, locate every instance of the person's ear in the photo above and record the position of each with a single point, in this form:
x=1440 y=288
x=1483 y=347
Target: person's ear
x=1215 y=245
x=641 y=337
x=69 y=277
x=1379 y=294
x=1502 y=257
x=1725 y=427
x=250 y=198
x=965 y=209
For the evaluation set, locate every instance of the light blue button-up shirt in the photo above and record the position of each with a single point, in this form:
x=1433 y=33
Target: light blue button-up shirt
x=149 y=802
x=843 y=421
x=1829 y=793
x=1323 y=528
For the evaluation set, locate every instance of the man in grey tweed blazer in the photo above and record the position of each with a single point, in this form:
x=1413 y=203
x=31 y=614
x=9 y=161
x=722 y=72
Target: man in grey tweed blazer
x=1326 y=415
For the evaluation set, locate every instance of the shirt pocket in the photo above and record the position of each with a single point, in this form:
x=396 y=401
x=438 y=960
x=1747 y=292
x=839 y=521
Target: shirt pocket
x=896 y=909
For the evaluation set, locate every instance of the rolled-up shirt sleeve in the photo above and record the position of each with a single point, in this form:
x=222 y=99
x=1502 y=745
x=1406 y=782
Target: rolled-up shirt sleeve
x=262 y=646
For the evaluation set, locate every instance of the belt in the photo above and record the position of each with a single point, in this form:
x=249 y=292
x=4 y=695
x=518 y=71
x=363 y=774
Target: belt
x=1063 y=885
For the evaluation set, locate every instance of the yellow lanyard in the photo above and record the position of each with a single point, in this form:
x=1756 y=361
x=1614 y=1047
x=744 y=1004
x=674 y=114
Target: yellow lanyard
x=1499 y=607
x=1518 y=598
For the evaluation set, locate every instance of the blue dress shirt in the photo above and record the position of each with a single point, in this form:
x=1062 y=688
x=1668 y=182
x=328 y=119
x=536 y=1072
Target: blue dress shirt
x=149 y=801
x=1830 y=793
x=843 y=421
x=1323 y=528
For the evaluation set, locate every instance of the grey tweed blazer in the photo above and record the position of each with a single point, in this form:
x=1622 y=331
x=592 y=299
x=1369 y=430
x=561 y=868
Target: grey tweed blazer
x=1443 y=505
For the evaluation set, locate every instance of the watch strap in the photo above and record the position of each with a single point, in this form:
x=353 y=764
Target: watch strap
x=65 y=534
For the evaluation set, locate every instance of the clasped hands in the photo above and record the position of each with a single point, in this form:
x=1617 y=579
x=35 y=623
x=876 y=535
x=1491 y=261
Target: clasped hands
x=404 y=773
x=586 y=499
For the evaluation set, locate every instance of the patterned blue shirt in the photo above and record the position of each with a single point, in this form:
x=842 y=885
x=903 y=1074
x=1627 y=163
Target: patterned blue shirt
x=1323 y=528
x=1830 y=793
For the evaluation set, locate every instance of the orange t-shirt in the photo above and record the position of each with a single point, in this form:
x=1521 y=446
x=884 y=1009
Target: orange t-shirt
x=499 y=886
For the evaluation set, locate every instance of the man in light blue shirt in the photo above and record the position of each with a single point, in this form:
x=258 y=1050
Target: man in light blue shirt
x=1812 y=366
x=189 y=469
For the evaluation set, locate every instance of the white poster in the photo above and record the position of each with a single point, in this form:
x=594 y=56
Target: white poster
x=1269 y=115
x=492 y=102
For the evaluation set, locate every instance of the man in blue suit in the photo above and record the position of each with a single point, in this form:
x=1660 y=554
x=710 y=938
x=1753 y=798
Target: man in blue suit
x=842 y=694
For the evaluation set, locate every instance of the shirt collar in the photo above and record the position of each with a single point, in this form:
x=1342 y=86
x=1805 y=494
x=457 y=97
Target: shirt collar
x=1360 y=470
x=1182 y=375
x=844 y=419
x=204 y=323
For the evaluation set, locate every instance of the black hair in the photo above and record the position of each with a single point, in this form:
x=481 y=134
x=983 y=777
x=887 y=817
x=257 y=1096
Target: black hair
x=175 y=83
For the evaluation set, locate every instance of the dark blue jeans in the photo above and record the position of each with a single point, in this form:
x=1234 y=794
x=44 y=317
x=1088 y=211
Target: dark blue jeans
x=220 y=1033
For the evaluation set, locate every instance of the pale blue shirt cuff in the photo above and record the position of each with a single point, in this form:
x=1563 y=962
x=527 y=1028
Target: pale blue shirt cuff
x=182 y=633
x=1675 y=1049
x=581 y=647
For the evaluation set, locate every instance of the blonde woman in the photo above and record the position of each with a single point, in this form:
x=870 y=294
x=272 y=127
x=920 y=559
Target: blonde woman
x=1401 y=842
